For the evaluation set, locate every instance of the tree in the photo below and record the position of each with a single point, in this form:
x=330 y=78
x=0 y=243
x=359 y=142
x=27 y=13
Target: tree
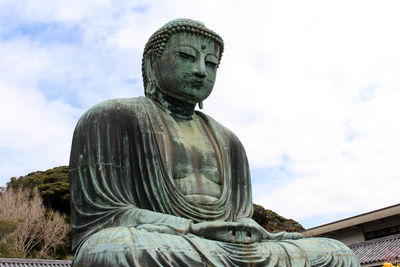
x=273 y=222
x=27 y=228
x=52 y=184
x=6 y=228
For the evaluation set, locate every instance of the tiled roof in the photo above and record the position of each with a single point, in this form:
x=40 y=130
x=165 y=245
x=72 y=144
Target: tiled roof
x=5 y=262
x=378 y=250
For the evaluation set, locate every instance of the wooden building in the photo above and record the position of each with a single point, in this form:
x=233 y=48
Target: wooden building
x=374 y=236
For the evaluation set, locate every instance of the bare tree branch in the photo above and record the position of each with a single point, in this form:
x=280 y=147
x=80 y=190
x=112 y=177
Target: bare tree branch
x=36 y=228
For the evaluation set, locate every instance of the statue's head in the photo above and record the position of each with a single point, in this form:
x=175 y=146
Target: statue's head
x=181 y=60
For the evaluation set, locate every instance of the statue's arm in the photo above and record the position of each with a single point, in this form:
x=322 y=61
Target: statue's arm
x=151 y=221
x=112 y=175
x=244 y=230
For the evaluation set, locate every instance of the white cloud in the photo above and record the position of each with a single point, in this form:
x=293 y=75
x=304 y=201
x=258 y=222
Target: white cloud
x=310 y=86
x=35 y=133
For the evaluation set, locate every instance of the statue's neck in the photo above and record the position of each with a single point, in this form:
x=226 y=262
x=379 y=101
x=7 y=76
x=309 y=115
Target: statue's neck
x=177 y=108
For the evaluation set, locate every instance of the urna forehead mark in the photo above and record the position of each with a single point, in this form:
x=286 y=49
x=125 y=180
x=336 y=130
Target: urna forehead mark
x=190 y=41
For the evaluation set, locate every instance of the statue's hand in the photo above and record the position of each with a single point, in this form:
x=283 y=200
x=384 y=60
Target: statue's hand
x=270 y=236
x=231 y=232
x=283 y=236
x=164 y=229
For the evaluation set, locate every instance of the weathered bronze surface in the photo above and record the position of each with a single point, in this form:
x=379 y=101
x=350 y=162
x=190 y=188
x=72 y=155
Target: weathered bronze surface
x=156 y=183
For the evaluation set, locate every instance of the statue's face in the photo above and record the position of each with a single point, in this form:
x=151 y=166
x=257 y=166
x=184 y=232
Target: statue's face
x=187 y=67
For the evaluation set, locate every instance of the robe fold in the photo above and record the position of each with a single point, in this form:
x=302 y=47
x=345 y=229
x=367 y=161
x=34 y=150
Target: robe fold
x=126 y=209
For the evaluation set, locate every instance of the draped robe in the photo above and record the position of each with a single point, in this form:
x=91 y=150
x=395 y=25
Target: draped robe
x=122 y=187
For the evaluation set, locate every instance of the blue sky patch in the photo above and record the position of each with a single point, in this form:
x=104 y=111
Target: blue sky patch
x=45 y=32
x=141 y=8
x=368 y=92
x=273 y=176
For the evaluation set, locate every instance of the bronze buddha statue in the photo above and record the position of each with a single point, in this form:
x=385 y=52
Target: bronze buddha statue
x=156 y=183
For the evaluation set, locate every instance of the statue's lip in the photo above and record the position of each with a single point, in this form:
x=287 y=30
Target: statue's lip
x=197 y=82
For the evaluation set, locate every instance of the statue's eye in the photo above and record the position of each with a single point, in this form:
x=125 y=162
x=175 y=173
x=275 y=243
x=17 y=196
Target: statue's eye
x=211 y=61
x=211 y=64
x=186 y=56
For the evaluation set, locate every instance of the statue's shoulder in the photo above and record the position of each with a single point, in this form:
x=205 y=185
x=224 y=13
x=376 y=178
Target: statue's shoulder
x=116 y=110
x=120 y=104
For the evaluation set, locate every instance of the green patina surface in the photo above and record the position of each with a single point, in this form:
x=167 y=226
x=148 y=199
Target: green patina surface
x=156 y=183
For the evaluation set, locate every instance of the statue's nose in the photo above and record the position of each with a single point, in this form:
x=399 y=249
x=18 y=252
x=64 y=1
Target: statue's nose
x=200 y=69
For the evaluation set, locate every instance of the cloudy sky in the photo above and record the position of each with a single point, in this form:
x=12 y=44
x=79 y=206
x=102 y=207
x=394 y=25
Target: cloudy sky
x=310 y=87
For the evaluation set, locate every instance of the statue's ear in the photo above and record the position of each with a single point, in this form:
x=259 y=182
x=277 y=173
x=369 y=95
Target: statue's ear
x=150 y=76
x=149 y=62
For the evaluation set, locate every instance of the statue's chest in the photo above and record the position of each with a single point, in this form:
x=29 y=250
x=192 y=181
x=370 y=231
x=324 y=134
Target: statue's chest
x=195 y=165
